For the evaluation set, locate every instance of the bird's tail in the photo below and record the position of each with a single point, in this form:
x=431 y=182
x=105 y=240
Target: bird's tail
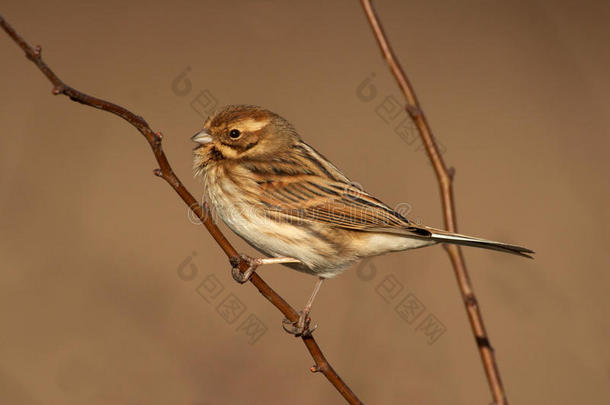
x=457 y=239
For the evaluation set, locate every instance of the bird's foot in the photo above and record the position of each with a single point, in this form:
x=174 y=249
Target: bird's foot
x=238 y=275
x=300 y=327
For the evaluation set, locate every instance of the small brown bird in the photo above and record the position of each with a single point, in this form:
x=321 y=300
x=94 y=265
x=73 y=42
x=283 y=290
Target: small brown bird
x=290 y=203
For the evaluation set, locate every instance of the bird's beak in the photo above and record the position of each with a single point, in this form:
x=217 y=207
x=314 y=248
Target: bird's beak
x=202 y=137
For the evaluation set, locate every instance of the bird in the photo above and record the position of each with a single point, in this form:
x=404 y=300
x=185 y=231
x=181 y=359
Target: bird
x=297 y=208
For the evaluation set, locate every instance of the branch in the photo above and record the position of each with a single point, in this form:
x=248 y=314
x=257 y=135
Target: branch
x=445 y=179
x=165 y=171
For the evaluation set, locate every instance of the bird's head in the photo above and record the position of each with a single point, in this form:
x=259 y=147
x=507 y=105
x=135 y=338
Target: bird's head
x=243 y=132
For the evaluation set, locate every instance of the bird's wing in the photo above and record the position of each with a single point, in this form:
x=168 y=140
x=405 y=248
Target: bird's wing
x=324 y=200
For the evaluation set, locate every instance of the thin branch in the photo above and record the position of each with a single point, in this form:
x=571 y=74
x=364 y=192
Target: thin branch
x=445 y=179
x=165 y=171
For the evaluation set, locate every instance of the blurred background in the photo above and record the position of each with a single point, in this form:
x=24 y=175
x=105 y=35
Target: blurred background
x=110 y=294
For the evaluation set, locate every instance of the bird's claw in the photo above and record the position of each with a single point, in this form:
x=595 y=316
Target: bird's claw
x=300 y=327
x=238 y=275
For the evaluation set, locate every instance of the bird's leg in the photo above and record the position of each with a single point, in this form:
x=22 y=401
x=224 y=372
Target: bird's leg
x=301 y=326
x=253 y=264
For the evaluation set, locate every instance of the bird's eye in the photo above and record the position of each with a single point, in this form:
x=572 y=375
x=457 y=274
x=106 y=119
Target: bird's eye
x=234 y=133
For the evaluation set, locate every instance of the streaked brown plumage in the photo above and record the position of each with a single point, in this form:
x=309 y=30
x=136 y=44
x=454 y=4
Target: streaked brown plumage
x=287 y=200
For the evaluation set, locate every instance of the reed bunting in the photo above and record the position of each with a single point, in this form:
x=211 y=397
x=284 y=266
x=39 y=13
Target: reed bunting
x=292 y=204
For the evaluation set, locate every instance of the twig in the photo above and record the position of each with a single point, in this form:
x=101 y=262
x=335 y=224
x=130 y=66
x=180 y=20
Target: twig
x=165 y=171
x=445 y=179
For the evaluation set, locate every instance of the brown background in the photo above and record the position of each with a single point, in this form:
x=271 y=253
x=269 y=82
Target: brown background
x=91 y=306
